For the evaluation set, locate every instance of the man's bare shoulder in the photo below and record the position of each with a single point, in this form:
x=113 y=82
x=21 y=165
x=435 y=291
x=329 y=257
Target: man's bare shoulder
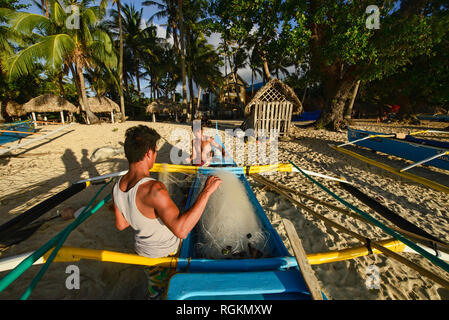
x=156 y=188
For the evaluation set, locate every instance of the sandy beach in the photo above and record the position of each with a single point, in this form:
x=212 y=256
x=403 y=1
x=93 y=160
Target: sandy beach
x=47 y=167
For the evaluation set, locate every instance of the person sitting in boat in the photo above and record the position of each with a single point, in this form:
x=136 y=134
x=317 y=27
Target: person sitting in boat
x=144 y=204
x=202 y=146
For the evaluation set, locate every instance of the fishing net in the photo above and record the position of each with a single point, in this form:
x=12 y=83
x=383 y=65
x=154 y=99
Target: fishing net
x=229 y=227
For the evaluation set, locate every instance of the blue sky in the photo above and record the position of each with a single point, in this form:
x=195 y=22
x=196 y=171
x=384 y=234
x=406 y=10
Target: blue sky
x=148 y=11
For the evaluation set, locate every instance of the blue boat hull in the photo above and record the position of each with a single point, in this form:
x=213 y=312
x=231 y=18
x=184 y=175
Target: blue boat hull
x=441 y=118
x=411 y=148
x=6 y=137
x=277 y=277
x=307 y=116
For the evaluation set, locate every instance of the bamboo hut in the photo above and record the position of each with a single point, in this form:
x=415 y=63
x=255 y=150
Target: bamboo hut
x=49 y=103
x=103 y=105
x=163 y=106
x=271 y=109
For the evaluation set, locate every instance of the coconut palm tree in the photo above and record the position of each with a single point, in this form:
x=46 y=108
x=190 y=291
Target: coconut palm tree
x=121 y=75
x=139 y=40
x=203 y=64
x=168 y=9
x=57 y=43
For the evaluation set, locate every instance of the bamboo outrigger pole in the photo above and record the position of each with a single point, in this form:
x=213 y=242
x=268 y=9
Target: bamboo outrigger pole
x=368 y=242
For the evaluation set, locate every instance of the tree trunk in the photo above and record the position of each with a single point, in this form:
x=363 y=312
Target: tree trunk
x=45 y=8
x=61 y=86
x=227 y=78
x=199 y=98
x=252 y=83
x=304 y=95
x=122 y=98
x=348 y=113
x=91 y=117
x=2 y=119
x=78 y=87
x=191 y=104
x=183 y=65
x=265 y=67
x=237 y=88
x=332 y=115
x=137 y=78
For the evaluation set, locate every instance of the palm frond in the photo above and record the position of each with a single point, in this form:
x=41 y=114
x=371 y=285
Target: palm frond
x=58 y=13
x=25 y=23
x=52 y=49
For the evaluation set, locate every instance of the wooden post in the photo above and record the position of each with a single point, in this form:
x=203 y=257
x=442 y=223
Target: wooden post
x=112 y=116
x=154 y=117
x=303 y=262
x=34 y=120
x=62 y=116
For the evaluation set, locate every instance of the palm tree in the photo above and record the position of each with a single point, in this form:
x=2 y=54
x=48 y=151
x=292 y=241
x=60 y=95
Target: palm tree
x=203 y=64
x=239 y=59
x=182 y=55
x=57 y=44
x=139 y=41
x=167 y=9
x=122 y=97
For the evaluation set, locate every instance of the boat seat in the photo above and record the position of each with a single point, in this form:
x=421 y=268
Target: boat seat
x=264 y=285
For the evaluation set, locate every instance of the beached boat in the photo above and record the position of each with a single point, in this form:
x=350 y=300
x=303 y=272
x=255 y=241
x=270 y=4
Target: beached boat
x=307 y=116
x=421 y=151
x=434 y=117
x=273 y=277
x=10 y=132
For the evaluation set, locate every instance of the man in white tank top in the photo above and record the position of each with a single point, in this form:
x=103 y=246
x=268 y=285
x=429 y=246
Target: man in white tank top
x=144 y=203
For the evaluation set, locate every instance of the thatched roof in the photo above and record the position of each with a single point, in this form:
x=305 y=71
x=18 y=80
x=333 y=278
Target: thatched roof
x=102 y=105
x=275 y=90
x=48 y=103
x=14 y=109
x=163 y=105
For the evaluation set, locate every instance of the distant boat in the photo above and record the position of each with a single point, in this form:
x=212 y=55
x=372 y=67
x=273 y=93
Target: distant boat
x=307 y=116
x=432 y=152
x=434 y=117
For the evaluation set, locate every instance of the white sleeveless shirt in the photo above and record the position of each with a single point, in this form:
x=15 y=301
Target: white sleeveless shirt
x=152 y=237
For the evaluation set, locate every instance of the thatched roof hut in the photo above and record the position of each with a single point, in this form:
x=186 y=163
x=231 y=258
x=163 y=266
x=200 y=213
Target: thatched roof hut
x=49 y=103
x=14 y=109
x=163 y=105
x=275 y=91
x=102 y=105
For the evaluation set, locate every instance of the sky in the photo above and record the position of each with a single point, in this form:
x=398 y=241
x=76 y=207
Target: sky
x=148 y=11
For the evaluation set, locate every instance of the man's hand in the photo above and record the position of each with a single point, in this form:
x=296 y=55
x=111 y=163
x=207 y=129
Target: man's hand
x=212 y=184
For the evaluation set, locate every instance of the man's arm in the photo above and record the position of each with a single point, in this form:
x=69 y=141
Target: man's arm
x=120 y=221
x=218 y=146
x=168 y=212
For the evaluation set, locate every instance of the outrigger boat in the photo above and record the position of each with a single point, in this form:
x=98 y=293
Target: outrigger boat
x=421 y=151
x=10 y=132
x=275 y=277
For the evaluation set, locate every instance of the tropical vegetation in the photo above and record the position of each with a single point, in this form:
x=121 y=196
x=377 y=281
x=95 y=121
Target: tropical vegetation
x=321 y=48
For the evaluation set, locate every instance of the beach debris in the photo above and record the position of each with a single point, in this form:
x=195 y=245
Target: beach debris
x=105 y=153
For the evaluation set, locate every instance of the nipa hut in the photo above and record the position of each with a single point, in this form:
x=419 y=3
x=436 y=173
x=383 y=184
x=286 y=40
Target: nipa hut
x=14 y=109
x=49 y=103
x=271 y=109
x=103 y=105
x=163 y=106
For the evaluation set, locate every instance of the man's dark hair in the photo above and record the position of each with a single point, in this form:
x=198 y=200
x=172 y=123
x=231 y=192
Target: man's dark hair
x=138 y=140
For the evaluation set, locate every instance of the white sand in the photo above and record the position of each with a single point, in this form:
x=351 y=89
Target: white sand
x=50 y=167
